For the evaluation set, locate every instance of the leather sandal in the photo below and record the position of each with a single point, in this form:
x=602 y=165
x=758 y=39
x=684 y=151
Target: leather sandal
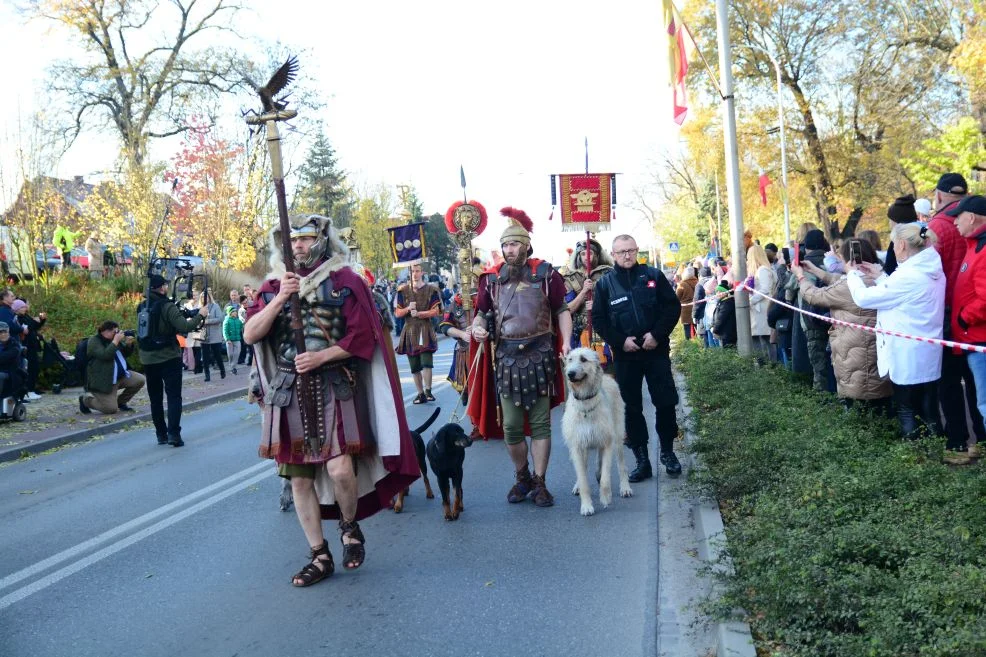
x=312 y=574
x=353 y=554
x=420 y=399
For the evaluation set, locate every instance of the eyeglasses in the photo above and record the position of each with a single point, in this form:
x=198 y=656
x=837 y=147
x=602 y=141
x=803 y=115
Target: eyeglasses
x=626 y=252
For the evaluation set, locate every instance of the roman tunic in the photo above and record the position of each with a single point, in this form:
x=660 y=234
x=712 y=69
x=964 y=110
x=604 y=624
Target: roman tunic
x=361 y=411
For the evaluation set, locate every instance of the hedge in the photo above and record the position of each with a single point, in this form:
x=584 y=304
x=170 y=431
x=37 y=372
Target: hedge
x=843 y=539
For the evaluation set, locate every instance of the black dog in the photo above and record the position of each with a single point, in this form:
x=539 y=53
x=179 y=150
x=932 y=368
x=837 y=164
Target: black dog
x=419 y=451
x=446 y=453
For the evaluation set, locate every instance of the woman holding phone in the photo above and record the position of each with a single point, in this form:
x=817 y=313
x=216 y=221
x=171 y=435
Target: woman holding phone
x=911 y=301
x=854 y=356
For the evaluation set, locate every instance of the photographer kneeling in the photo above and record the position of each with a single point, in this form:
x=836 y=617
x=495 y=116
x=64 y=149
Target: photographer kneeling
x=109 y=382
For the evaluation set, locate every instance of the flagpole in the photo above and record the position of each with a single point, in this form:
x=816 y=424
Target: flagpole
x=744 y=341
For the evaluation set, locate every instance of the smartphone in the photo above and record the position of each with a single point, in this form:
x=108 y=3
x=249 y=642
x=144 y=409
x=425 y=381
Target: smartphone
x=855 y=252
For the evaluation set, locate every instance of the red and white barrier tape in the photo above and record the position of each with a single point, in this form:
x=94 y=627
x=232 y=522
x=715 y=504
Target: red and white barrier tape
x=872 y=329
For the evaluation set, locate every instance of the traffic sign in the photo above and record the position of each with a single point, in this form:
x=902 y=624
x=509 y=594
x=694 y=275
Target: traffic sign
x=673 y=247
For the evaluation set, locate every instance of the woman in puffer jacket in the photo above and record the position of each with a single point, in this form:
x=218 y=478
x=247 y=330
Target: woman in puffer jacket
x=858 y=380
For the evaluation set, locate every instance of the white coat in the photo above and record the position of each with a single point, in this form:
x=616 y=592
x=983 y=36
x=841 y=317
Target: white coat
x=911 y=301
x=764 y=282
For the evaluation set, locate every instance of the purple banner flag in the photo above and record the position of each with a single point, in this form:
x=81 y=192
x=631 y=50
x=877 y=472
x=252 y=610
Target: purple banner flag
x=407 y=244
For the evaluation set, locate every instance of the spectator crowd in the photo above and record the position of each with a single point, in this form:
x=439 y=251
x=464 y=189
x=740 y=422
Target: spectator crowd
x=929 y=282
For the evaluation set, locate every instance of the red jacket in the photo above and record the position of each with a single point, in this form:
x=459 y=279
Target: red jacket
x=969 y=307
x=951 y=248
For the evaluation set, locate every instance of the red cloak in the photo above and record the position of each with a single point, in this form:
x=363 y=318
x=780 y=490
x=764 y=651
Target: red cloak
x=483 y=400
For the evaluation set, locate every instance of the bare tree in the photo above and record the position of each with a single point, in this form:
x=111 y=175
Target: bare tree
x=139 y=80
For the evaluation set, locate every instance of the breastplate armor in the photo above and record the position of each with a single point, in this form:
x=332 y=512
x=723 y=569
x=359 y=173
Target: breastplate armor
x=322 y=321
x=522 y=310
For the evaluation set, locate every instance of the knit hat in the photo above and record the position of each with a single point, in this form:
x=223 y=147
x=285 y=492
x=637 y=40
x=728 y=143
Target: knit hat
x=815 y=239
x=923 y=206
x=901 y=211
x=519 y=226
x=157 y=280
x=18 y=304
x=952 y=183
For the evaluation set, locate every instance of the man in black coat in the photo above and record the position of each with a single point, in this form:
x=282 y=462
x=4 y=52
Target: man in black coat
x=635 y=309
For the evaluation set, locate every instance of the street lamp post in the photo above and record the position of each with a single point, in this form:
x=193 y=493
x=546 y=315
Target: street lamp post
x=780 y=119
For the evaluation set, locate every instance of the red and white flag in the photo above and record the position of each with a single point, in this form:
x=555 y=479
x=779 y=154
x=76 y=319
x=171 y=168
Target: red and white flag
x=677 y=59
x=764 y=182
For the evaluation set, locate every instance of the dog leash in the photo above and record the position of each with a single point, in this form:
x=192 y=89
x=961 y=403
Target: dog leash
x=469 y=378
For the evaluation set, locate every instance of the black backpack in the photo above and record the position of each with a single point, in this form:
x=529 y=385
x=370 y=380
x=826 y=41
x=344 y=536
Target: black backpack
x=81 y=355
x=153 y=340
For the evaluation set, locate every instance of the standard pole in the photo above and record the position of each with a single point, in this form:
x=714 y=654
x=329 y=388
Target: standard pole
x=744 y=342
x=780 y=119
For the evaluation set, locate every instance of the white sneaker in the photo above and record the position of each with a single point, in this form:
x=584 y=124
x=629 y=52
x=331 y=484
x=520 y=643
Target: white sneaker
x=32 y=396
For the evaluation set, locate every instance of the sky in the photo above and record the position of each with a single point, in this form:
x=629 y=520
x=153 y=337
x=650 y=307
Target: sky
x=510 y=90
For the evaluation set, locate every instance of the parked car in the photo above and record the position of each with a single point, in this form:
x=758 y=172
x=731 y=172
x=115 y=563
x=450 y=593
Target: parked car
x=48 y=260
x=80 y=258
x=15 y=254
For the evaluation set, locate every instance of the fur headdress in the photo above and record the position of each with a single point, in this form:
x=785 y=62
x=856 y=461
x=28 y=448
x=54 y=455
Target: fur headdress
x=599 y=256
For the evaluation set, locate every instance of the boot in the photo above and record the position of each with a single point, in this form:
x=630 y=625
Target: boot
x=522 y=488
x=643 y=469
x=539 y=493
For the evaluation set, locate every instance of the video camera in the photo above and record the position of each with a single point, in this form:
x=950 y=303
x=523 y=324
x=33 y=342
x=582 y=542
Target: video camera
x=181 y=272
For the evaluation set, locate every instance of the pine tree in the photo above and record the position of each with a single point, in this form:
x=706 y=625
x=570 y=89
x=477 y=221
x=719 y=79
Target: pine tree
x=321 y=185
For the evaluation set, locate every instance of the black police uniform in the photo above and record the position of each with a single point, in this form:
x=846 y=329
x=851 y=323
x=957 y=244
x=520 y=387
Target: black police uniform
x=630 y=303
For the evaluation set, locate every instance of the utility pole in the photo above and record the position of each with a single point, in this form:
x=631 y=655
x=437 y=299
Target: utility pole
x=744 y=341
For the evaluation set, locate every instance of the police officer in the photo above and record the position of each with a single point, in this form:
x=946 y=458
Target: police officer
x=635 y=311
x=161 y=358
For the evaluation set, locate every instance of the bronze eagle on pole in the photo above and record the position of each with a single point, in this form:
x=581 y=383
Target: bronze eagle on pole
x=274 y=110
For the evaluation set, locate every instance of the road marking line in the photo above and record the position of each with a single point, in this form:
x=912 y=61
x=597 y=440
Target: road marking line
x=85 y=546
x=109 y=550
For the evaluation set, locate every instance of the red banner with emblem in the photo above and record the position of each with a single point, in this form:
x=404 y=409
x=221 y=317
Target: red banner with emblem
x=586 y=201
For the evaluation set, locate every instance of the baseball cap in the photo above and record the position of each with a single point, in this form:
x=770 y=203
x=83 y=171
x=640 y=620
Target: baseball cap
x=974 y=204
x=157 y=280
x=952 y=183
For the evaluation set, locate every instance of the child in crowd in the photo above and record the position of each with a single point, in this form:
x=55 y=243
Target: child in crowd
x=232 y=334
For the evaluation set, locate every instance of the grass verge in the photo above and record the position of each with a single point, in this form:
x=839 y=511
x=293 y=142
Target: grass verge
x=843 y=540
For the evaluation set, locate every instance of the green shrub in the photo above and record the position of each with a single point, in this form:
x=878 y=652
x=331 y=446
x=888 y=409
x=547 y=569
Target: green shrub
x=75 y=306
x=844 y=541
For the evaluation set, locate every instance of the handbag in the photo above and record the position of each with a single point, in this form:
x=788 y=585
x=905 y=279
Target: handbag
x=783 y=325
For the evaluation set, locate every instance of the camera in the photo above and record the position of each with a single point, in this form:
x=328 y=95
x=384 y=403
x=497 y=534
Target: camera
x=189 y=312
x=130 y=333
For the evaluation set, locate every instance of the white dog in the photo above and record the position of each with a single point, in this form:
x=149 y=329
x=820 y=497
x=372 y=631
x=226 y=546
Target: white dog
x=593 y=420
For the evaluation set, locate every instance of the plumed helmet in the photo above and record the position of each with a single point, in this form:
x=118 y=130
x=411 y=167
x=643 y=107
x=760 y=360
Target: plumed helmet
x=519 y=226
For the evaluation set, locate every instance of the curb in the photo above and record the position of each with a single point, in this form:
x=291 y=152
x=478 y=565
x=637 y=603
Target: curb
x=733 y=637
x=15 y=452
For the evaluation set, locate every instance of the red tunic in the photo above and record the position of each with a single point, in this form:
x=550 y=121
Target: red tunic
x=364 y=339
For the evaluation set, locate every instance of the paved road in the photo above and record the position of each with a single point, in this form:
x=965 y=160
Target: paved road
x=121 y=547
